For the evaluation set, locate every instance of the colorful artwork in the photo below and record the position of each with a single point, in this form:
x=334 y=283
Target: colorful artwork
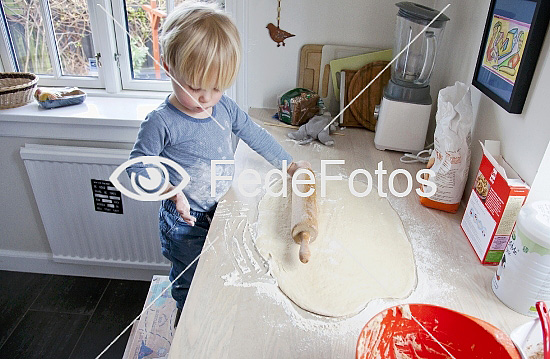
x=505 y=47
x=152 y=336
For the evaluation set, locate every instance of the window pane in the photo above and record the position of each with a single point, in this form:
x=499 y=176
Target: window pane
x=73 y=35
x=145 y=19
x=26 y=27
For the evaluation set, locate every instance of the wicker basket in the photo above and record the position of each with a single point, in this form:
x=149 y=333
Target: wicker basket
x=16 y=88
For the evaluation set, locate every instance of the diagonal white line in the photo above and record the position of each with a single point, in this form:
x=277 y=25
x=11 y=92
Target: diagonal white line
x=334 y=119
x=154 y=300
x=431 y=335
x=158 y=63
x=342 y=111
x=386 y=67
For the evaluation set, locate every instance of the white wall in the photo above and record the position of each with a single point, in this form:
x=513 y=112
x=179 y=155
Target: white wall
x=524 y=137
x=540 y=191
x=273 y=70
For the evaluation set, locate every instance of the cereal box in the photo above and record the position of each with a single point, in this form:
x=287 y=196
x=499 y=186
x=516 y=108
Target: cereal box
x=493 y=207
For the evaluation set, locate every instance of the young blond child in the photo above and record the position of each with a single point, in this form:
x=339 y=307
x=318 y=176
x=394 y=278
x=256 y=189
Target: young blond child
x=201 y=51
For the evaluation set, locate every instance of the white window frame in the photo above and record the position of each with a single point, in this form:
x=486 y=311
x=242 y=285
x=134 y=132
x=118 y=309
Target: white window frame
x=5 y=53
x=57 y=79
x=129 y=83
x=115 y=74
x=238 y=9
x=106 y=45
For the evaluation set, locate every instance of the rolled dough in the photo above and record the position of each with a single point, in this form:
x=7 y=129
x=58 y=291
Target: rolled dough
x=361 y=252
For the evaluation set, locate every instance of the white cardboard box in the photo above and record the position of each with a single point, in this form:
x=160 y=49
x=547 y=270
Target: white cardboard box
x=493 y=207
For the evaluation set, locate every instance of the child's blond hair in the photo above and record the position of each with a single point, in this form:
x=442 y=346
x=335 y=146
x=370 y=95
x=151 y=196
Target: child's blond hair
x=201 y=44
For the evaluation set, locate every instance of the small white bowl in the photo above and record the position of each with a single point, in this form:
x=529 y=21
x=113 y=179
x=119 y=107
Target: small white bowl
x=527 y=336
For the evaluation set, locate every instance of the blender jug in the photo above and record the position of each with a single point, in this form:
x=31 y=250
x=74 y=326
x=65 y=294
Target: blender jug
x=414 y=67
x=404 y=113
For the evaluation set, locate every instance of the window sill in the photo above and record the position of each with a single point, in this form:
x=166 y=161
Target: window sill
x=102 y=117
x=150 y=95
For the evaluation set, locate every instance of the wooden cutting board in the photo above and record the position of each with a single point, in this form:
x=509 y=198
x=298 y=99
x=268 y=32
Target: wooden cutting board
x=309 y=71
x=329 y=53
x=355 y=63
x=348 y=120
x=363 y=108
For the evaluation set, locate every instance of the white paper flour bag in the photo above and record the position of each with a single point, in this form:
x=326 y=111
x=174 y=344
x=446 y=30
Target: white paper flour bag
x=450 y=159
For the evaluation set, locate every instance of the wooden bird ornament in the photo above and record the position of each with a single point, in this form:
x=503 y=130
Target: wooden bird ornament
x=275 y=32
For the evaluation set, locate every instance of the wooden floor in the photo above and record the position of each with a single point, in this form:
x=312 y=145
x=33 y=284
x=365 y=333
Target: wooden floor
x=50 y=316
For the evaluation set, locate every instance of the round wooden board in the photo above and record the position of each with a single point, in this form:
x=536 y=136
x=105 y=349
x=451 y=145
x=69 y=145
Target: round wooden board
x=363 y=107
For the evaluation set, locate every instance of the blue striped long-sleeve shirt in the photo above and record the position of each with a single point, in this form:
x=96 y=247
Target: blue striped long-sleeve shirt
x=194 y=143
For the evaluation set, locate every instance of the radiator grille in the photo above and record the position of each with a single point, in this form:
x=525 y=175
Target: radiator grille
x=61 y=177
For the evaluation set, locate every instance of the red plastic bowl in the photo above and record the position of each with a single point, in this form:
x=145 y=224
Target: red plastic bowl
x=393 y=334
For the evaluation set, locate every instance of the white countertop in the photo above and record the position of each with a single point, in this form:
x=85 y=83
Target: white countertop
x=234 y=310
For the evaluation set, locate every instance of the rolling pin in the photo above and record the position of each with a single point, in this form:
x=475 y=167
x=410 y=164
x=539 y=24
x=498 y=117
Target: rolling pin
x=304 y=218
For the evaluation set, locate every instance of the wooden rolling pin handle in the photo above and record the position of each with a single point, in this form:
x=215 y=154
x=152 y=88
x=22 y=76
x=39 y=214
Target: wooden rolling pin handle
x=305 y=254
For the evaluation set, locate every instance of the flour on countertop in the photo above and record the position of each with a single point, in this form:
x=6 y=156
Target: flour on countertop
x=258 y=277
x=251 y=271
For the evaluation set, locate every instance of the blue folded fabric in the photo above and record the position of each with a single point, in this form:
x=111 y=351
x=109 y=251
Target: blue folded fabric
x=63 y=101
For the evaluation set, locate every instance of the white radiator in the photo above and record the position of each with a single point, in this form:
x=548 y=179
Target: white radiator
x=82 y=225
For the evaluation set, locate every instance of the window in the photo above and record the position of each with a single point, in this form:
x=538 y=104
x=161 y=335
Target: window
x=51 y=39
x=75 y=43
x=144 y=20
x=25 y=24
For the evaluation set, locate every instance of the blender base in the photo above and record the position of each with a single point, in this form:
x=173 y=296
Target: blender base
x=402 y=126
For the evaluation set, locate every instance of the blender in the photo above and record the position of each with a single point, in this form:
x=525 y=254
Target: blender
x=404 y=112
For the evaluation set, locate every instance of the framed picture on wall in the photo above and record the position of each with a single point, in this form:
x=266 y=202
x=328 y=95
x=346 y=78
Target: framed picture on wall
x=511 y=43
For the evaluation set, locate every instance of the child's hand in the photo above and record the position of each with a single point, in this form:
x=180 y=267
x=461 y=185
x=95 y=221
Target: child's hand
x=294 y=166
x=183 y=208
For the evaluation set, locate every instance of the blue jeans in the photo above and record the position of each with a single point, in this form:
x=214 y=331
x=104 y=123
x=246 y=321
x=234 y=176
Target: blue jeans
x=181 y=244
